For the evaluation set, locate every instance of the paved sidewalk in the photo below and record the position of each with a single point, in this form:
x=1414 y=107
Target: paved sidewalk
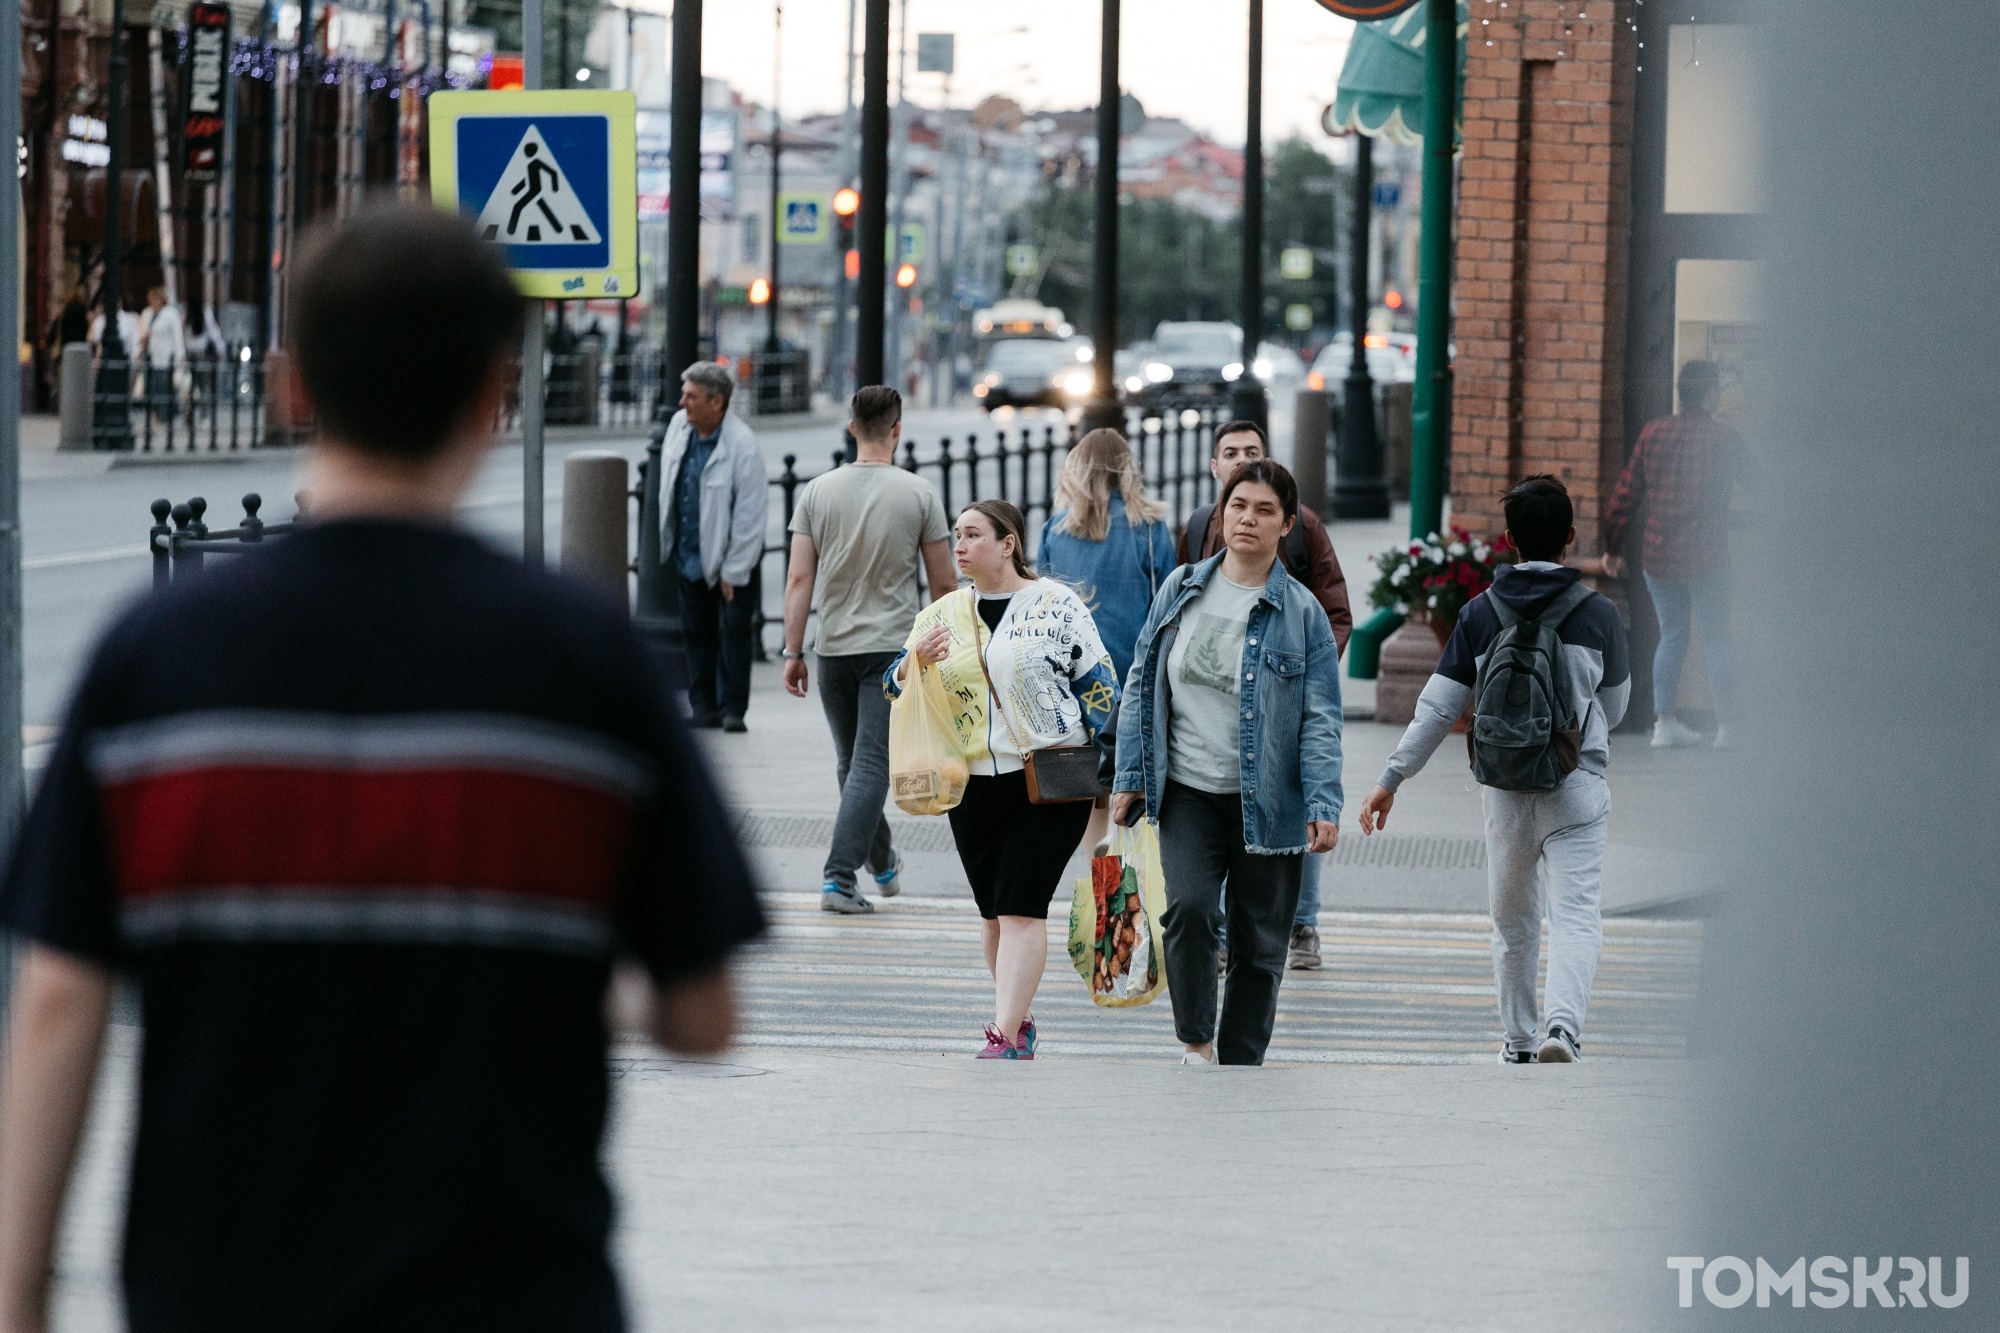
x=784 y=1190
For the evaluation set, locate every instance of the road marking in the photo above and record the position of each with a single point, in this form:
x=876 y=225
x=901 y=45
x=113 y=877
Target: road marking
x=98 y=556
x=1395 y=989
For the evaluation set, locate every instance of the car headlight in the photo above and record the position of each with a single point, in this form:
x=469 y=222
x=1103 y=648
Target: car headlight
x=1134 y=383
x=1261 y=368
x=1078 y=382
x=1233 y=371
x=1159 y=372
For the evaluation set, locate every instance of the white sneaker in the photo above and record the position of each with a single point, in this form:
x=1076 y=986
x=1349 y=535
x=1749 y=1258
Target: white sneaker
x=1669 y=733
x=1722 y=741
x=1560 y=1048
x=1196 y=1060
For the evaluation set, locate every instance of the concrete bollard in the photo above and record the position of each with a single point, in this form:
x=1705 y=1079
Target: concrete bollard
x=594 y=515
x=1312 y=424
x=77 y=387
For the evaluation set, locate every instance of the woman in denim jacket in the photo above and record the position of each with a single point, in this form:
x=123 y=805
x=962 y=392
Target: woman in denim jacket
x=1229 y=738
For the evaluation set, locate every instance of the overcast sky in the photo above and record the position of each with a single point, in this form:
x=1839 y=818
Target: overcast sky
x=1180 y=57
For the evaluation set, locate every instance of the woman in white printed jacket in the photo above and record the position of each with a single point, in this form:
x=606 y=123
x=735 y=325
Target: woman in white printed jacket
x=1023 y=658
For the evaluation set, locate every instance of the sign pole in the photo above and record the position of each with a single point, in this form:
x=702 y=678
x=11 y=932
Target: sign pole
x=531 y=341
x=13 y=786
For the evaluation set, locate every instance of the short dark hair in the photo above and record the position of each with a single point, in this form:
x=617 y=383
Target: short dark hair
x=1699 y=379
x=1238 y=427
x=398 y=317
x=1271 y=473
x=876 y=408
x=1539 y=516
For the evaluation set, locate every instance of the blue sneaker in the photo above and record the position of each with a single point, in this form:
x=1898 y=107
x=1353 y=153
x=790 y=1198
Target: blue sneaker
x=889 y=882
x=843 y=899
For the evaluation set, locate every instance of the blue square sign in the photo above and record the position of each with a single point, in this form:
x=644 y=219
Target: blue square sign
x=551 y=177
x=527 y=178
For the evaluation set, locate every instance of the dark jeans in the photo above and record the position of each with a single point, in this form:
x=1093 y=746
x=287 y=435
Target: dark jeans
x=717 y=632
x=857 y=713
x=1201 y=845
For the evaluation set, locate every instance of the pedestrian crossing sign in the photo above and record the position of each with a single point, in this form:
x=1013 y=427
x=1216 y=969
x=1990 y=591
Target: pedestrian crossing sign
x=552 y=178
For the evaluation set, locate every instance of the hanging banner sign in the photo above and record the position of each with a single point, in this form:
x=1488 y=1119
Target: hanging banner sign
x=208 y=65
x=1366 y=11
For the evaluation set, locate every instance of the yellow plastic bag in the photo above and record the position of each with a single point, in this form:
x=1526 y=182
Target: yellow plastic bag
x=927 y=774
x=1114 y=921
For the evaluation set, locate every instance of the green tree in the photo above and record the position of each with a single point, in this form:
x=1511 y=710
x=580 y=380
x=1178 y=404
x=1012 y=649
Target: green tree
x=1174 y=263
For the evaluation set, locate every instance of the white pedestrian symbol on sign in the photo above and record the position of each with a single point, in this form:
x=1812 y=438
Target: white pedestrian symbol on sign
x=532 y=204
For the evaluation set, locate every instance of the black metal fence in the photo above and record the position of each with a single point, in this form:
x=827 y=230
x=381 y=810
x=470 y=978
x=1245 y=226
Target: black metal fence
x=1022 y=465
x=181 y=539
x=220 y=405
x=206 y=406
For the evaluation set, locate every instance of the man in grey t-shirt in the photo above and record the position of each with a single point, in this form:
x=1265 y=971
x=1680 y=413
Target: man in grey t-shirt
x=860 y=534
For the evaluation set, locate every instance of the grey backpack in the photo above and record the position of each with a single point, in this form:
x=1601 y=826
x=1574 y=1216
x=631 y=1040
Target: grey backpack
x=1525 y=734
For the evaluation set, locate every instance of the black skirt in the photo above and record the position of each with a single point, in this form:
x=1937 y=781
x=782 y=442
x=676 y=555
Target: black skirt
x=1013 y=850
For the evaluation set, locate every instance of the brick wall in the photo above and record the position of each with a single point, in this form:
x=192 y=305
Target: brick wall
x=1541 y=254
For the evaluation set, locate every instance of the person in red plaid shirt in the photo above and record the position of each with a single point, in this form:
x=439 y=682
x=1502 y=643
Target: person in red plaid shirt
x=1682 y=471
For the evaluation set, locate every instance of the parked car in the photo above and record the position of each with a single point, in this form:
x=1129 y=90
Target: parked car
x=1021 y=372
x=1192 y=359
x=1388 y=363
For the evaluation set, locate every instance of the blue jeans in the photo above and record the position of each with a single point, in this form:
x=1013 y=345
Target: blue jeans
x=1678 y=606
x=1308 y=912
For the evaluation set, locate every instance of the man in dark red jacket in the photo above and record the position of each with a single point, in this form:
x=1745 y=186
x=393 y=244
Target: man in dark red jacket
x=1308 y=555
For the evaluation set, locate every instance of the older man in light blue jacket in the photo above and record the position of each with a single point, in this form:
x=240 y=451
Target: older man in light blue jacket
x=714 y=501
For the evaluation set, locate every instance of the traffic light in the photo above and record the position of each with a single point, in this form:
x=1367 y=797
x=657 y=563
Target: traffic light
x=846 y=201
x=906 y=275
x=853 y=265
x=760 y=291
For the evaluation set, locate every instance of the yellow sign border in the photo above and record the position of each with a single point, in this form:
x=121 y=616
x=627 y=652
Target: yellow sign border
x=619 y=281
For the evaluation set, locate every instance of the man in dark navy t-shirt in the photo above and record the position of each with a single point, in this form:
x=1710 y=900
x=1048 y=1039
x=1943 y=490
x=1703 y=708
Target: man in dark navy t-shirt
x=368 y=815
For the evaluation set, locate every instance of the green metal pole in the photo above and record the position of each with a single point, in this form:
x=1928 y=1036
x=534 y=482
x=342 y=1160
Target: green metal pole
x=1430 y=409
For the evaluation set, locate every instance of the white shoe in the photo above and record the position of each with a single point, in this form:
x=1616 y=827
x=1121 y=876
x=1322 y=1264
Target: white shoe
x=1669 y=733
x=1722 y=741
x=1196 y=1060
x=1559 y=1048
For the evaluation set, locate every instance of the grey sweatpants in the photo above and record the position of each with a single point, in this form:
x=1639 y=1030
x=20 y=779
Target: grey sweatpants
x=1561 y=834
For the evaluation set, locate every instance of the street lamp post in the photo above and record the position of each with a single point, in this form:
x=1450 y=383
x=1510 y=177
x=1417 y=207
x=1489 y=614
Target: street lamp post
x=1247 y=400
x=1360 y=491
x=777 y=221
x=870 y=296
x=1430 y=412
x=1103 y=409
x=657 y=614
x=113 y=428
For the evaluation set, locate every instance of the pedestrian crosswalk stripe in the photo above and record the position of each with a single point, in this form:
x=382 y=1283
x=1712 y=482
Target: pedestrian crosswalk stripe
x=1395 y=988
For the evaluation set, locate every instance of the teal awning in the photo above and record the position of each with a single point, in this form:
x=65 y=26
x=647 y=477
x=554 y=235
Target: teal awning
x=1381 y=90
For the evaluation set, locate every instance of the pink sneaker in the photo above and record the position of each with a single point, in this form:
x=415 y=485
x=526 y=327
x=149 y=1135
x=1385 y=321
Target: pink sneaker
x=999 y=1048
x=1024 y=1040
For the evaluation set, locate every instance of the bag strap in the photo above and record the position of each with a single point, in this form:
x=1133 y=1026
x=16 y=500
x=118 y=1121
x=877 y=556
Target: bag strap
x=1197 y=531
x=1556 y=612
x=992 y=695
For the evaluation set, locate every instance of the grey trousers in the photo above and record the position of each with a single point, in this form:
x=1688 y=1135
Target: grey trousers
x=857 y=713
x=1545 y=857
x=1201 y=844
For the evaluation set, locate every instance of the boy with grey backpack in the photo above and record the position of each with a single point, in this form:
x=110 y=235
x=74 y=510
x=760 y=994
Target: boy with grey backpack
x=1542 y=660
